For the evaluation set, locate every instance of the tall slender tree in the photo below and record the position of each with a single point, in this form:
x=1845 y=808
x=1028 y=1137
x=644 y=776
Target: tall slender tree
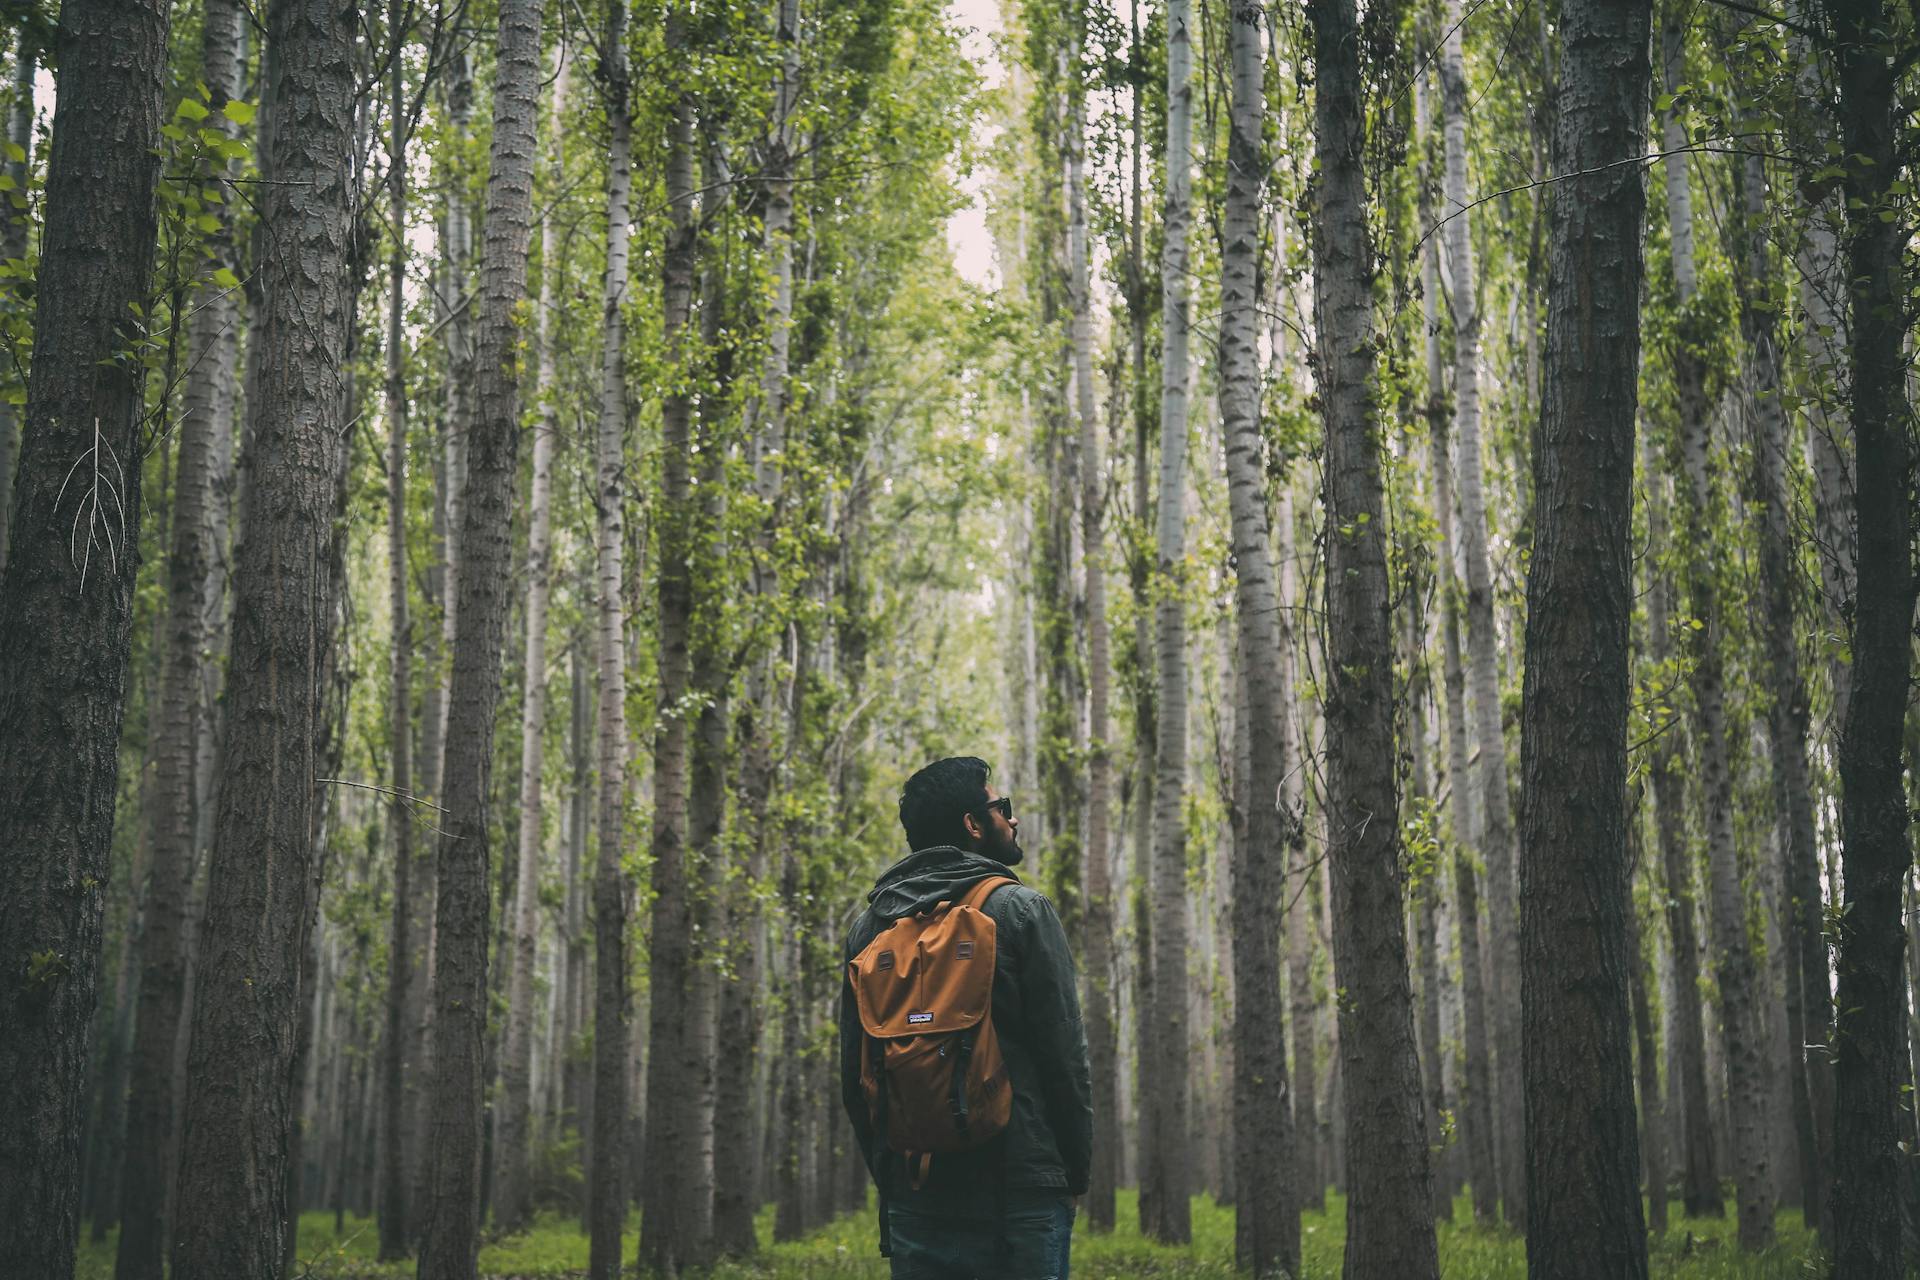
x=262 y=881
x=1170 y=1172
x=1267 y=1213
x=667 y=1231
x=398 y=1087
x=450 y=1250
x=66 y=605
x=1736 y=973
x=1389 y=1209
x=1494 y=830
x=1876 y=847
x=607 y=1195
x=513 y=1138
x=172 y=800
x=1102 y=1032
x=1583 y=1160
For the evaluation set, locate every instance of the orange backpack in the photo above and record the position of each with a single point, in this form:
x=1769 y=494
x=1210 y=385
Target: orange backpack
x=930 y=1066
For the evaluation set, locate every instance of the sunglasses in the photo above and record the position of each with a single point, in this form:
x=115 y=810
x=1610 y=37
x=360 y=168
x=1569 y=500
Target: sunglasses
x=1003 y=806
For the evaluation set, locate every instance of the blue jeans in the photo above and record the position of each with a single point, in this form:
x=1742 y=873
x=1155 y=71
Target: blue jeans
x=1037 y=1235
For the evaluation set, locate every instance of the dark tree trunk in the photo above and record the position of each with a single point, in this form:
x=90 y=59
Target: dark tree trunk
x=232 y=1214
x=451 y=1246
x=1267 y=1211
x=1868 y=1166
x=1583 y=1158
x=1389 y=1206
x=666 y=1233
x=66 y=608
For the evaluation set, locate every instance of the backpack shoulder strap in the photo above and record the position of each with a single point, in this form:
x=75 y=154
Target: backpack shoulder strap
x=976 y=897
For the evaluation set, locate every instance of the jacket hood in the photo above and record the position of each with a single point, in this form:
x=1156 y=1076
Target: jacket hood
x=927 y=877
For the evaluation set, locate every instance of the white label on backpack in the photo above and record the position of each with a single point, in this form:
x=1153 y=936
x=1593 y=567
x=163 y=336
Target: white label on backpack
x=916 y=1018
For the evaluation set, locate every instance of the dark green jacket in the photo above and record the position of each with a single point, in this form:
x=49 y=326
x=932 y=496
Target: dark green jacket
x=1048 y=1142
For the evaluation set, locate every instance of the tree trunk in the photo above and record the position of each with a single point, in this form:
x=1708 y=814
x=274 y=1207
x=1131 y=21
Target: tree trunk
x=1868 y=1170
x=1267 y=1213
x=397 y=1099
x=1389 y=1209
x=263 y=880
x=710 y=680
x=1583 y=1157
x=1302 y=999
x=1808 y=1010
x=15 y=225
x=450 y=1249
x=1736 y=973
x=1426 y=928
x=1476 y=1092
x=513 y=1133
x=1102 y=1045
x=1167 y=1171
x=666 y=1234
x=1653 y=1113
x=66 y=608
x=175 y=729
x=1700 y=1186
x=738 y=1132
x=574 y=1073
x=607 y=1194
x=1494 y=833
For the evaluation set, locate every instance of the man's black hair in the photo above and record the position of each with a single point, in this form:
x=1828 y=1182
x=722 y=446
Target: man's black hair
x=934 y=800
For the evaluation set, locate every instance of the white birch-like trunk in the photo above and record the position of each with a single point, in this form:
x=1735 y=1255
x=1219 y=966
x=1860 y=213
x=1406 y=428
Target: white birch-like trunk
x=1169 y=1168
x=606 y=1185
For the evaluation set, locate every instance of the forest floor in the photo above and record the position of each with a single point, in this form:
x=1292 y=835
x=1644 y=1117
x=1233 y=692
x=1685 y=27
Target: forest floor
x=1694 y=1249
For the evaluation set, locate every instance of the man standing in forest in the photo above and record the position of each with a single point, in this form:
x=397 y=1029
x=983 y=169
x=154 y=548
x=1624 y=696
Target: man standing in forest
x=1002 y=1207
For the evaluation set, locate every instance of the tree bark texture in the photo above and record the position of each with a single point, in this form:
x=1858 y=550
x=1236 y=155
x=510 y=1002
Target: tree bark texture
x=607 y=1194
x=1389 y=1209
x=1582 y=1148
x=513 y=1134
x=241 y=1121
x=1266 y=1206
x=666 y=1233
x=450 y=1249
x=66 y=606
x=1169 y=1150
x=1876 y=850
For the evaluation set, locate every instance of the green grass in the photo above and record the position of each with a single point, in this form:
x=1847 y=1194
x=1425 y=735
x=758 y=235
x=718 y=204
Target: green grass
x=1695 y=1249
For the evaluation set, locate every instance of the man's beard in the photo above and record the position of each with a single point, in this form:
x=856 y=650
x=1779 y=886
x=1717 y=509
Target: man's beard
x=1007 y=853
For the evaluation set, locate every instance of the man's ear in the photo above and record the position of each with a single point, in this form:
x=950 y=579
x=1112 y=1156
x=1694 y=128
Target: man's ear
x=972 y=825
